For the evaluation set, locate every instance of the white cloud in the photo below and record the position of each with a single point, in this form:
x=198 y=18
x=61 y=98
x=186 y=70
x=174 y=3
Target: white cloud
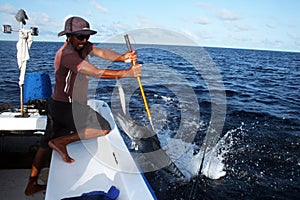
x=204 y=4
x=202 y=21
x=273 y=44
x=7 y=15
x=294 y=36
x=8 y=9
x=271 y=26
x=192 y=35
x=242 y=27
x=99 y=7
x=228 y=15
x=145 y=22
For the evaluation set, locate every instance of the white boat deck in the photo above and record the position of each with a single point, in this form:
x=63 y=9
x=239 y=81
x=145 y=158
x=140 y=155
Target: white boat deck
x=11 y=122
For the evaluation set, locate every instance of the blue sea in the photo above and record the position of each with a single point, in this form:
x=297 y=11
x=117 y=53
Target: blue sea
x=244 y=103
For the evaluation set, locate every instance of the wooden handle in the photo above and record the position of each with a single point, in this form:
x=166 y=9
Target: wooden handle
x=144 y=98
x=139 y=80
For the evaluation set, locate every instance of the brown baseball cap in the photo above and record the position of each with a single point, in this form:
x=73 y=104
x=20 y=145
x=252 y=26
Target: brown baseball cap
x=77 y=25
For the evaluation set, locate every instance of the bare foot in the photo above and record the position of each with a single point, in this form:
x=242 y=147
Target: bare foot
x=61 y=149
x=33 y=187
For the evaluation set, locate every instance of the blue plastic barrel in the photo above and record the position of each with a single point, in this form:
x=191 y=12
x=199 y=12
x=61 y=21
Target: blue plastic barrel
x=37 y=85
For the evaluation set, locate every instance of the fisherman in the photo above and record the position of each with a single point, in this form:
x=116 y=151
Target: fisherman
x=72 y=71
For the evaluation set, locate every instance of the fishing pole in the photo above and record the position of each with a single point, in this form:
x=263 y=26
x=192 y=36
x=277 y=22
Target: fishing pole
x=139 y=82
x=199 y=176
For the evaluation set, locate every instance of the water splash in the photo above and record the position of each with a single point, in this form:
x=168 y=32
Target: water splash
x=214 y=160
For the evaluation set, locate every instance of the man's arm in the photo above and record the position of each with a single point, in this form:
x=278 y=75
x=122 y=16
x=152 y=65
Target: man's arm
x=111 y=55
x=91 y=70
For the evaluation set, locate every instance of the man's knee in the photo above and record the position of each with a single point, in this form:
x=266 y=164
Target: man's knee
x=92 y=133
x=105 y=132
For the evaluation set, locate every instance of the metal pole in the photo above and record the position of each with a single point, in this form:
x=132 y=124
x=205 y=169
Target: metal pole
x=21 y=86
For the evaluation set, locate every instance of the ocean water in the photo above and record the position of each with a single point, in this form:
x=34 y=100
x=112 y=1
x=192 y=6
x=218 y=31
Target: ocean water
x=243 y=105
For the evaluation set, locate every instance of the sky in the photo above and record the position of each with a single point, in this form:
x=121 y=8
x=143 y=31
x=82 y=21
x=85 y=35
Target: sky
x=246 y=24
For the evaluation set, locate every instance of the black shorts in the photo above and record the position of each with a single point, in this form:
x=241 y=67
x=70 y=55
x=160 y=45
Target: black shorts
x=64 y=118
